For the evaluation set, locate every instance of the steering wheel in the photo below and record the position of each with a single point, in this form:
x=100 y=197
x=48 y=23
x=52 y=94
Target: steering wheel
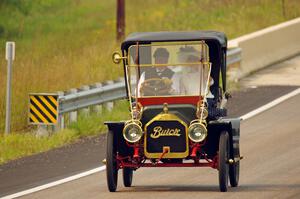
x=156 y=86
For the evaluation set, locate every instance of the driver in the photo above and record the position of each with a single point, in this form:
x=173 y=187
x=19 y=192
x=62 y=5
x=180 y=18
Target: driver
x=161 y=56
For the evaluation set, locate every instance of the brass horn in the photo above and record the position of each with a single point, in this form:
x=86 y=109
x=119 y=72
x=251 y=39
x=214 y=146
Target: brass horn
x=116 y=57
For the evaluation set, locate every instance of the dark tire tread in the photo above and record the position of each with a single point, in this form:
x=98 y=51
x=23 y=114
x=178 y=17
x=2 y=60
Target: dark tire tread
x=111 y=165
x=223 y=158
x=234 y=172
x=127 y=177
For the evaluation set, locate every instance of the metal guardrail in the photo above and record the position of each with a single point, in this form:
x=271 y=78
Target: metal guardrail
x=234 y=55
x=93 y=96
x=105 y=93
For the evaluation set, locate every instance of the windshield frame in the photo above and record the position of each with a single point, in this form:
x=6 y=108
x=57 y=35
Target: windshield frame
x=204 y=61
x=164 y=44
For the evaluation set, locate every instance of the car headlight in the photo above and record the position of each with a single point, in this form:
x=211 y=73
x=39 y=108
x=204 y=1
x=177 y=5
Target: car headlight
x=197 y=132
x=132 y=132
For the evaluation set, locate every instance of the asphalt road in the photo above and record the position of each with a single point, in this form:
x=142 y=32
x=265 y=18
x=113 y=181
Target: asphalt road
x=39 y=169
x=269 y=142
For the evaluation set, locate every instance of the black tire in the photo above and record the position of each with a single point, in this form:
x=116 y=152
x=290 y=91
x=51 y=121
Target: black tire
x=111 y=163
x=127 y=177
x=234 y=172
x=223 y=161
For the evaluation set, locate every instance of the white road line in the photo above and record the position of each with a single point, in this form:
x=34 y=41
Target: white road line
x=52 y=184
x=102 y=168
x=270 y=105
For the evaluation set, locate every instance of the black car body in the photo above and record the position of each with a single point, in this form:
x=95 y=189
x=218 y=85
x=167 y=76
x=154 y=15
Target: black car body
x=176 y=86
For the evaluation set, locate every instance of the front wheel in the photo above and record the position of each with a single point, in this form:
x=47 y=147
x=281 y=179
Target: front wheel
x=234 y=172
x=223 y=161
x=127 y=177
x=111 y=163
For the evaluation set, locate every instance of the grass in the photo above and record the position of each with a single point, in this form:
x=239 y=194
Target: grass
x=74 y=39
x=17 y=145
x=66 y=44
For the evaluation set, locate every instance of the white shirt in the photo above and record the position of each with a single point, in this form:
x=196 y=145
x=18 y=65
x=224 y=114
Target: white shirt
x=190 y=85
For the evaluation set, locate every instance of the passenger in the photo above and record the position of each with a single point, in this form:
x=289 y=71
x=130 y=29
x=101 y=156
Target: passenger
x=194 y=80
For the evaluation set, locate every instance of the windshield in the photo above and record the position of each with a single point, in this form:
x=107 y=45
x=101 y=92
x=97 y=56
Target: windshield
x=169 y=69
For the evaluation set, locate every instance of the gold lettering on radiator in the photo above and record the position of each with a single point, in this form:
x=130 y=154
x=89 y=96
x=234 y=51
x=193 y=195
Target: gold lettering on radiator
x=159 y=131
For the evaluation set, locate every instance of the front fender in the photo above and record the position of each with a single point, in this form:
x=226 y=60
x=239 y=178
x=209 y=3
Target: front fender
x=115 y=126
x=121 y=146
x=232 y=126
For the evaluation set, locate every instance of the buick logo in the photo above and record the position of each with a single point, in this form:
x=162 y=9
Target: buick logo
x=158 y=131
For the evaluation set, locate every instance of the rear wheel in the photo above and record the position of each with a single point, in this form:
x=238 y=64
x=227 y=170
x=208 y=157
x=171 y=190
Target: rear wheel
x=234 y=172
x=111 y=163
x=223 y=161
x=127 y=177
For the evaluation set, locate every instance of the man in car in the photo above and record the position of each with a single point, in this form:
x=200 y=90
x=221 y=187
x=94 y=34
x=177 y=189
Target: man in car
x=164 y=76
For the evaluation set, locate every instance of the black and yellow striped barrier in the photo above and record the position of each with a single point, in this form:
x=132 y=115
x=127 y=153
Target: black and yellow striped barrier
x=43 y=108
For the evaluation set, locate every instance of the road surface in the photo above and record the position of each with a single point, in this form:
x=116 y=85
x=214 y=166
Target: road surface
x=269 y=143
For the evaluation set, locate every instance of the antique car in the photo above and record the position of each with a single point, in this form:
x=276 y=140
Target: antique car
x=176 y=88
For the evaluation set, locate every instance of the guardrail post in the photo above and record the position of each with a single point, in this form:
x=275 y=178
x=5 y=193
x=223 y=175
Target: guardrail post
x=60 y=119
x=97 y=108
x=73 y=114
x=109 y=105
x=85 y=111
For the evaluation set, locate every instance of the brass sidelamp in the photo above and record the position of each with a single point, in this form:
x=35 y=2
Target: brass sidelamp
x=197 y=130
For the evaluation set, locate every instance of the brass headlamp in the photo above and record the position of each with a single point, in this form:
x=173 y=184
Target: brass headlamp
x=132 y=131
x=197 y=131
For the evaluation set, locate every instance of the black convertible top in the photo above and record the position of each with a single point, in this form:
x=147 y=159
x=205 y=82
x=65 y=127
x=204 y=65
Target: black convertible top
x=148 y=37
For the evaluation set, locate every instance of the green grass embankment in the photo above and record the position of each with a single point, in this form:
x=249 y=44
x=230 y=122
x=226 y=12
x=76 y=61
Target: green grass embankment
x=17 y=145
